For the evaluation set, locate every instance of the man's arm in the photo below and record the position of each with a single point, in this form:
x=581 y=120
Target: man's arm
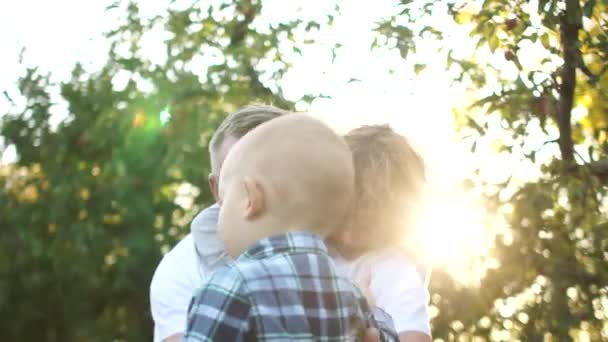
x=171 y=290
x=220 y=311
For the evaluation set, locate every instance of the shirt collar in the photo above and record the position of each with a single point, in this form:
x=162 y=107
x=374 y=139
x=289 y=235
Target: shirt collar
x=209 y=247
x=292 y=242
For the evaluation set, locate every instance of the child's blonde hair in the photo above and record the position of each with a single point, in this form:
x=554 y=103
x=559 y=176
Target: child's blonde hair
x=389 y=182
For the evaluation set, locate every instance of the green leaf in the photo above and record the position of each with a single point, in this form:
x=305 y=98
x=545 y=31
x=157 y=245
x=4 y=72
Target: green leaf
x=588 y=8
x=544 y=39
x=462 y=17
x=533 y=37
x=493 y=42
x=418 y=68
x=475 y=125
x=449 y=59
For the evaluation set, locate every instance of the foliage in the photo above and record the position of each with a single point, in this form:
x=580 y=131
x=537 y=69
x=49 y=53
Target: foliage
x=551 y=280
x=91 y=201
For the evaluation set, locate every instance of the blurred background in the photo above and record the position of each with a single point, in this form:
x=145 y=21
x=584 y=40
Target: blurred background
x=107 y=108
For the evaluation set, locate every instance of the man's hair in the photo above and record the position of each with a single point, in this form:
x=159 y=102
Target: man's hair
x=240 y=123
x=389 y=182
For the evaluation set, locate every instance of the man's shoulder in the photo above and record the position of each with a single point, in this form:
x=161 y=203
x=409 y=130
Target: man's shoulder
x=178 y=266
x=184 y=253
x=174 y=281
x=185 y=247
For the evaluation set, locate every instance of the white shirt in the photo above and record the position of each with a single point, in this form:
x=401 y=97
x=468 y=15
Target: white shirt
x=182 y=271
x=395 y=285
x=176 y=278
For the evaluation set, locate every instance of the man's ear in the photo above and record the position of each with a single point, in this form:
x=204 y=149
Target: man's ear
x=213 y=186
x=255 y=198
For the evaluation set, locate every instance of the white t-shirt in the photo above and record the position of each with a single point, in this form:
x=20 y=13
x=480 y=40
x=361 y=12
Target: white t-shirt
x=182 y=271
x=394 y=283
x=176 y=278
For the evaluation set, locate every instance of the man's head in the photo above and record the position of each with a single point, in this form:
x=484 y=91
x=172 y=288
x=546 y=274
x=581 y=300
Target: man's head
x=292 y=173
x=234 y=127
x=389 y=181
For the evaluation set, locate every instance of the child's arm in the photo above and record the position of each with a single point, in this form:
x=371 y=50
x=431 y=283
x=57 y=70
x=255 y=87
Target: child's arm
x=220 y=310
x=383 y=329
x=414 y=336
x=405 y=298
x=395 y=285
x=379 y=325
x=373 y=335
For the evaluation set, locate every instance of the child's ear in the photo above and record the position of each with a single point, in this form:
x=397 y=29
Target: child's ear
x=255 y=199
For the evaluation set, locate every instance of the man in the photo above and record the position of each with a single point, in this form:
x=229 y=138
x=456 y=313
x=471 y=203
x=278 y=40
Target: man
x=184 y=269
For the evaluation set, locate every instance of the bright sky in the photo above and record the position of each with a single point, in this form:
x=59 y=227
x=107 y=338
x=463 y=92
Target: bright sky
x=57 y=34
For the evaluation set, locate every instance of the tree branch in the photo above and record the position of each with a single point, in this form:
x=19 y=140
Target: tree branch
x=600 y=169
x=593 y=78
x=258 y=86
x=570 y=24
x=249 y=12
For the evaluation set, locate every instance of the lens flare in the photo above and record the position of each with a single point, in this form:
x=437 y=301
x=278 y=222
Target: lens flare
x=454 y=237
x=165 y=116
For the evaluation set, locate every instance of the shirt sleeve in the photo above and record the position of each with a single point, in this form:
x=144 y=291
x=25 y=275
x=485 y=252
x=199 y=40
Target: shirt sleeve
x=170 y=293
x=220 y=311
x=385 y=325
x=373 y=317
x=398 y=289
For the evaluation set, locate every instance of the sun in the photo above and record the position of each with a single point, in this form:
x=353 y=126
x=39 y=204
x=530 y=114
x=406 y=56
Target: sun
x=451 y=233
x=453 y=236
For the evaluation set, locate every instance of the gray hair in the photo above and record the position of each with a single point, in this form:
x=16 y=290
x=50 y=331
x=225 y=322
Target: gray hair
x=238 y=124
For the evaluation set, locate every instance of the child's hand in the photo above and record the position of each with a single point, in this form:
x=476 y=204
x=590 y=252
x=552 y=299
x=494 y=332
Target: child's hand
x=372 y=335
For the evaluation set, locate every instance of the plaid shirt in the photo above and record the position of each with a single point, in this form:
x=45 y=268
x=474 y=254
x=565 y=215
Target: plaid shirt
x=284 y=288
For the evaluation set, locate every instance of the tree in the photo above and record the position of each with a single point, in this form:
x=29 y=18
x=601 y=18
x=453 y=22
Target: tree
x=90 y=203
x=551 y=282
